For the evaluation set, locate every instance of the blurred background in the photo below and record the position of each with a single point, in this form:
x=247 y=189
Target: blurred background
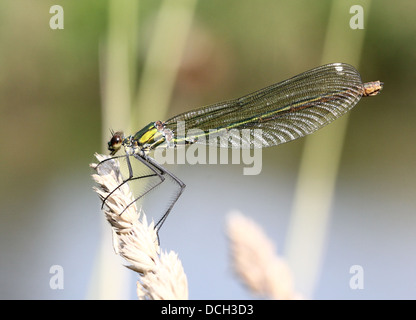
x=121 y=64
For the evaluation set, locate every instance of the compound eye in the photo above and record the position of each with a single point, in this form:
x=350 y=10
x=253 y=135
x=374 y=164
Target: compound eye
x=115 y=143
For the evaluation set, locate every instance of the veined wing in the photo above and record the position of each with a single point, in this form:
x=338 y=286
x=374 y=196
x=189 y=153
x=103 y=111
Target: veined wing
x=284 y=111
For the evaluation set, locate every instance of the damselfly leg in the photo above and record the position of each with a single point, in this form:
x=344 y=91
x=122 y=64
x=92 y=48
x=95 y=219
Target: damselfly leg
x=130 y=177
x=158 y=171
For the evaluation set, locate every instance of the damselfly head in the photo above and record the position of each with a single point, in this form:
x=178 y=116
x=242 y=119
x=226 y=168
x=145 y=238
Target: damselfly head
x=116 y=142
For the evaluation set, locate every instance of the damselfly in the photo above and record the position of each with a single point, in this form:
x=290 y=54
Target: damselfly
x=284 y=112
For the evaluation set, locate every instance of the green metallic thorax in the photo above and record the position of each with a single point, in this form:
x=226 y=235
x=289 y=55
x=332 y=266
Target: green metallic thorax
x=148 y=138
